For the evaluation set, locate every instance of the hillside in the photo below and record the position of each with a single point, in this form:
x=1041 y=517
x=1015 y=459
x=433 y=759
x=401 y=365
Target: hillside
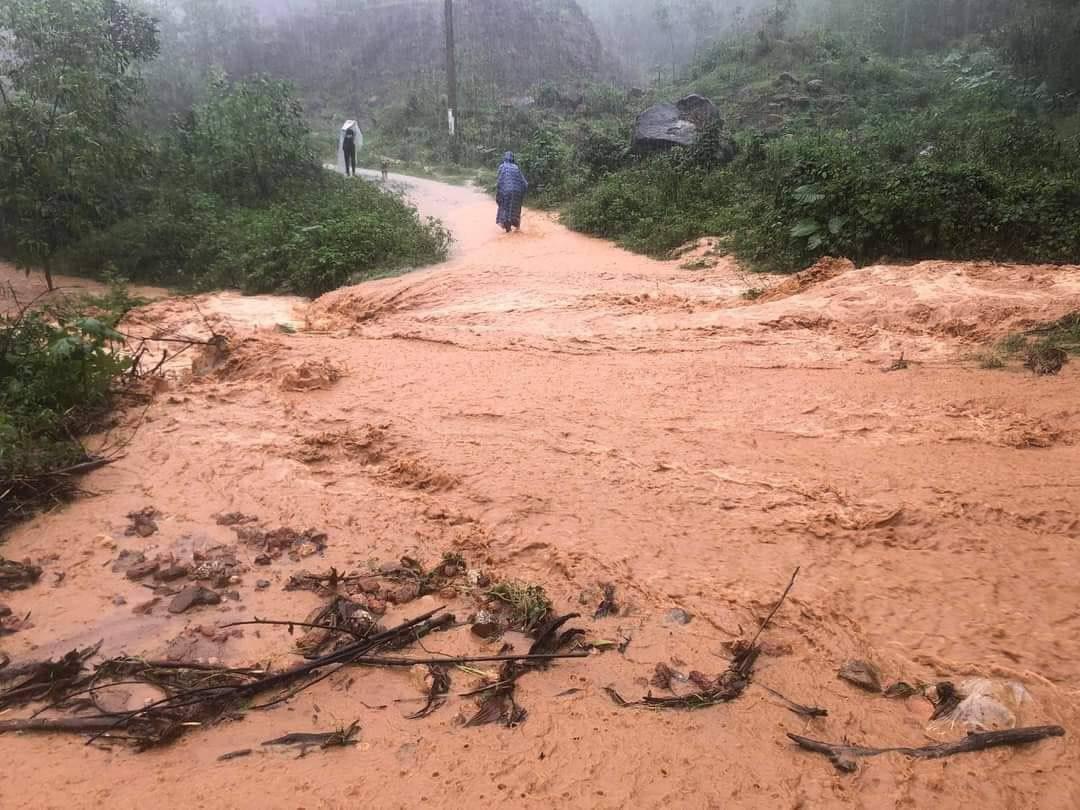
x=347 y=57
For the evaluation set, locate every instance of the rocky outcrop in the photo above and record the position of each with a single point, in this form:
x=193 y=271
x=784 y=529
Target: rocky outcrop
x=664 y=126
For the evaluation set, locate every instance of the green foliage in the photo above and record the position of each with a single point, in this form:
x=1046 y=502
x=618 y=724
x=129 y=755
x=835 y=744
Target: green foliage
x=322 y=236
x=316 y=234
x=58 y=365
x=977 y=171
x=66 y=87
x=239 y=200
x=528 y=603
x=991 y=360
x=245 y=140
x=545 y=160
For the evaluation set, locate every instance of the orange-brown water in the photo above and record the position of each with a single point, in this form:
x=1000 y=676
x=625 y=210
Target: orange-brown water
x=564 y=412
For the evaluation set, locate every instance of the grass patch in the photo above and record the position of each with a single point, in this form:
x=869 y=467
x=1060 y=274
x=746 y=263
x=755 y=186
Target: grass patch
x=1045 y=349
x=991 y=360
x=528 y=603
x=1063 y=333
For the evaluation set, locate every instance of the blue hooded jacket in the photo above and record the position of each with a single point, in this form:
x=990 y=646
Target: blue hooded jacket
x=511 y=180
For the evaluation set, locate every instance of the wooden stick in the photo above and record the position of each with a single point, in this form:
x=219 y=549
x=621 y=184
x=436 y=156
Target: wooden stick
x=467 y=659
x=769 y=618
x=843 y=756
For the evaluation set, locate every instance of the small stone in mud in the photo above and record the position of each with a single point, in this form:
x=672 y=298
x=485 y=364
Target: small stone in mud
x=369 y=586
x=233 y=595
x=143 y=569
x=263 y=559
x=405 y=592
x=486 y=625
x=117 y=600
x=143 y=523
x=862 y=674
x=192 y=596
x=126 y=559
x=172 y=572
x=234 y=519
x=4 y=611
x=677 y=616
x=262 y=584
x=144 y=608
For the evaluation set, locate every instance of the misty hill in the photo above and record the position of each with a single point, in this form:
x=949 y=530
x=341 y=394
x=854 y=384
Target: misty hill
x=341 y=53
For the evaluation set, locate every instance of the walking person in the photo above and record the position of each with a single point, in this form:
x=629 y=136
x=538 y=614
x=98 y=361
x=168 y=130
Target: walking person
x=348 y=146
x=510 y=193
x=385 y=170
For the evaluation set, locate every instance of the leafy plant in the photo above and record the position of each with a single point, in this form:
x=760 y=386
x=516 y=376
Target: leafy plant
x=58 y=366
x=66 y=151
x=528 y=603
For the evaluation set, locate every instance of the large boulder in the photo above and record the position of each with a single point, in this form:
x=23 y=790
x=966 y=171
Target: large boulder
x=664 y=126
x=698 y=110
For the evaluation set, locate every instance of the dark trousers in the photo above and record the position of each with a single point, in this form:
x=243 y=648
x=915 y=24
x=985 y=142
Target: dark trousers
x=350 y=160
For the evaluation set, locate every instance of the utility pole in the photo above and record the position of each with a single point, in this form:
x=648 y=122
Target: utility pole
x=451 y=76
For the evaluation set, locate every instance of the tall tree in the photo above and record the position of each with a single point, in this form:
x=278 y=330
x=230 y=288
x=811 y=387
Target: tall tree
x=66 y=151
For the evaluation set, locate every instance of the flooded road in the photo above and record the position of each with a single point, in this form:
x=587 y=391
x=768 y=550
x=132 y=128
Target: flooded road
x=560 y=411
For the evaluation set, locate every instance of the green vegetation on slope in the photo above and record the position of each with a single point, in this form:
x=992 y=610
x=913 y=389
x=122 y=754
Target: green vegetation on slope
x=848 y=152
x=59 y=364
x=231 y=193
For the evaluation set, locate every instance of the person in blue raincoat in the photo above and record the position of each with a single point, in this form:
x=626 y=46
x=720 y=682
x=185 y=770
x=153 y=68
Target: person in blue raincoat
x=510 y=193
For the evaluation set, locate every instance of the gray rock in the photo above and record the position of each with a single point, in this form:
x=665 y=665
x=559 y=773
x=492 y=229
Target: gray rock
x=698 y=110
x=664 y=126
x=142 y=569
x=862 y=674
x=172 y=572
x=193 y=596
x=126 y=559
x=785 y=78
x=677 y=616
x=815 y=87
x=262 y=584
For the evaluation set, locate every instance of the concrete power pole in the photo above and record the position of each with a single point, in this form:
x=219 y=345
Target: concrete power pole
x=451 y=73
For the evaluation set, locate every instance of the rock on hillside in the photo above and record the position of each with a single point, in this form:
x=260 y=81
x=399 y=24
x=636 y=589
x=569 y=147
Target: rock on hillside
x=664 y=125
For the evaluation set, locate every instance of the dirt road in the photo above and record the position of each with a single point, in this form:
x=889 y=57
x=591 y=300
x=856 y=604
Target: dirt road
x=562 y=412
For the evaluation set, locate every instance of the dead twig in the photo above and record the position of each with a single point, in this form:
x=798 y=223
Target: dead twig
x=798 y=708
x=843 y=756
x=436 y=696
x=729 y=685
x=331 y=739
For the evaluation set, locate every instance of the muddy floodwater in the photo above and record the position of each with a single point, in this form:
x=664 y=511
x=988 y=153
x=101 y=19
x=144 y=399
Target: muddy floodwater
x=561 y=412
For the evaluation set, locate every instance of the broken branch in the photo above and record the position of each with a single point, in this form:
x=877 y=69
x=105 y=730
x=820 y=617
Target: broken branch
x=843 y=756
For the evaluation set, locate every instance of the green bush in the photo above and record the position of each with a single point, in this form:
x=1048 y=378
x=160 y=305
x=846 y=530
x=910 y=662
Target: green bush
x=58 y=366
x=978 y=173
x=317 y=234
x=545 y=160
x=321 y=237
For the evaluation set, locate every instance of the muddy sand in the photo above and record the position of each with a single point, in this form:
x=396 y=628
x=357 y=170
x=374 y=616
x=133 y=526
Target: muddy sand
x=559 y=411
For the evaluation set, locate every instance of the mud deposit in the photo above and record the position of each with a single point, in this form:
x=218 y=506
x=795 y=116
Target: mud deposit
x=558 y=411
